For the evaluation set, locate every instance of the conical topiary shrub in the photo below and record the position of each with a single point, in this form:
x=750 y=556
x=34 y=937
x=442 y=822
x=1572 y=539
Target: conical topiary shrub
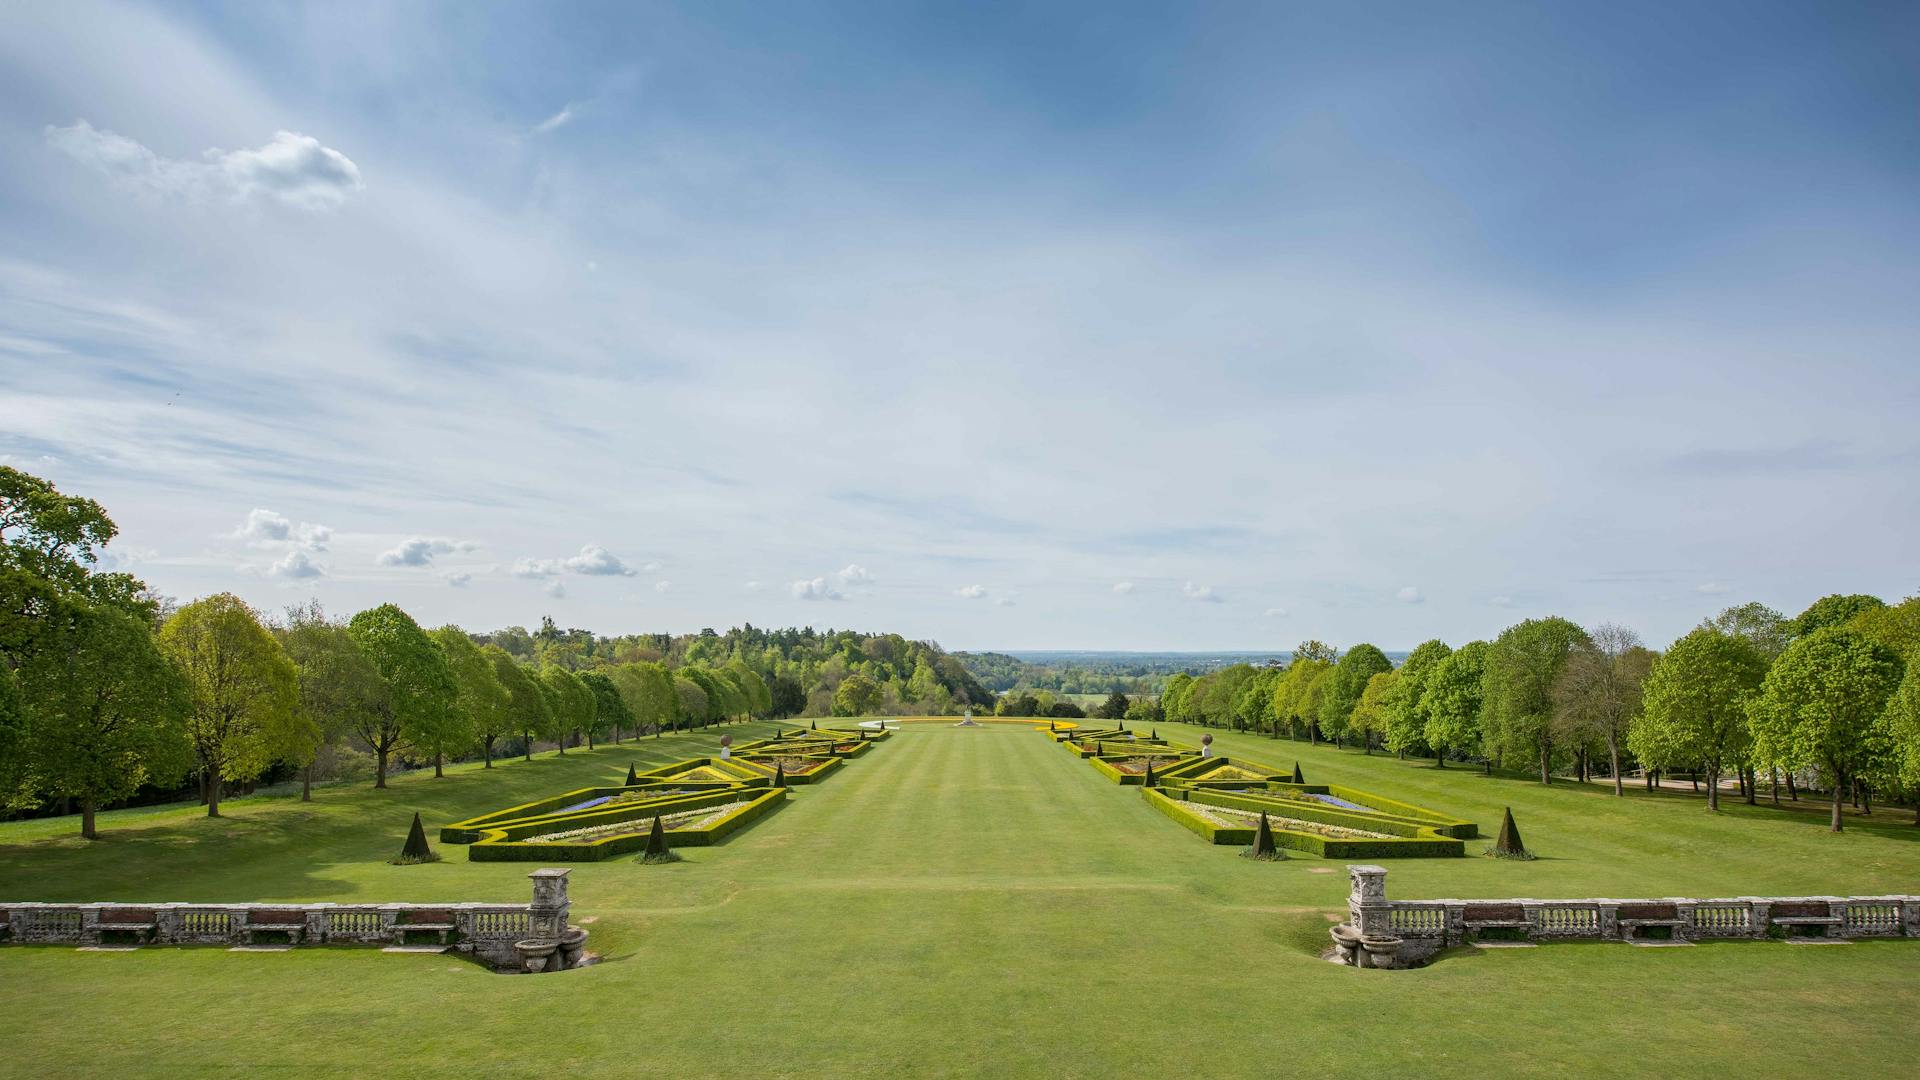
x=815 y=726
x=632 y=777
x=1508 y=845
x=1263 y=846
x=779 y=774
x=415 y=850
x=1297 y=778
x=1147 y=780
x=1154 y=735
x=657 y=849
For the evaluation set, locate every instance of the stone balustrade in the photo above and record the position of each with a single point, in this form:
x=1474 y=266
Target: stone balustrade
x=500 y=935
x=1381 y=932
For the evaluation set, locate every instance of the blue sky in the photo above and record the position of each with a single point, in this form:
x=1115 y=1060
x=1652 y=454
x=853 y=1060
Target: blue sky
x=1108 y=325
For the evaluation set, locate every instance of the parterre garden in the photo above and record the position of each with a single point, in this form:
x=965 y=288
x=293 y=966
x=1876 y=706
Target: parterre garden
x=698 y=802
x=1224 y=799
x=958 y=903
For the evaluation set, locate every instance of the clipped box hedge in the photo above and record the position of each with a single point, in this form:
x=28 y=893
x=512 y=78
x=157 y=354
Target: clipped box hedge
x=1419 y=843
x=468 y=831
x=505 y=845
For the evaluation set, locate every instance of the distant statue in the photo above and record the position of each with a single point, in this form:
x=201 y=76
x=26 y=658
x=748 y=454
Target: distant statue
x=726 y=747
x=1206 y=745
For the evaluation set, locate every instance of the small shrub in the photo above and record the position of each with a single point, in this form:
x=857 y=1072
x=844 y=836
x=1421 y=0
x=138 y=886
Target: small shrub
x=657 y=850
x=1507 y=845
x=1263 y=847
x=415 y=851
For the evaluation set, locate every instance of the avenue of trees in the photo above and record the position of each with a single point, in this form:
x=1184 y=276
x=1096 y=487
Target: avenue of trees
x=1829 y=699
x=110 y=693
x=108 y=690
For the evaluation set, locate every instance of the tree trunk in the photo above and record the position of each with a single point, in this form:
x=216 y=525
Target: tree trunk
x=1613 y=762
x=527 y=746
x=1752 y=781
x=1713 y=787
x=1488 y=762
x=1544 y=778
x=1440 y=758
x=589 y=738
x=306 y=783
x=1793 y=791
x=486 y=748
x=438 y=772
x=380 y=770
x=1834 y=824
x=1866 y=797
x=213 y=792
x=87 y=808
x=1773 y=778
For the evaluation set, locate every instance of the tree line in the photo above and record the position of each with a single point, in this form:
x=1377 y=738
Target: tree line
x=107 y=688
x=1828 y=699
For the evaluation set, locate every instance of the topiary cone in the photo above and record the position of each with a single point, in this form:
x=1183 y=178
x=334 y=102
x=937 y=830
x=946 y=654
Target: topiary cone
x=1263 y=846
x=779 y=774
x=1508 y=842
x=416 y=848
x=1147 y=781
x=1297 y=778
x=632 y=777
x=656 y=842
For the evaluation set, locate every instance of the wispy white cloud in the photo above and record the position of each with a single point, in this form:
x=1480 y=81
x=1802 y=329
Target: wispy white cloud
x=556 y=121
x=1276 y=613
x=1409 y=595
x=971 y=592
x=1123 y=587
x=1203 y=593
x=297 y=566
x=1711 y=588
x=815 y=589
x=420 y=550
x=294 y=169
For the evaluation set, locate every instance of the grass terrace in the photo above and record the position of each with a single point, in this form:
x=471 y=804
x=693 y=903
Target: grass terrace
x=937 y=910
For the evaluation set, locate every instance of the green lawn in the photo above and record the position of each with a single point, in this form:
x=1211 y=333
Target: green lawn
x=959 y=903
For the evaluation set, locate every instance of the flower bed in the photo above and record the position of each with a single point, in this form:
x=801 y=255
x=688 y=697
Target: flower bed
x=689 y=819
x=1228 y=817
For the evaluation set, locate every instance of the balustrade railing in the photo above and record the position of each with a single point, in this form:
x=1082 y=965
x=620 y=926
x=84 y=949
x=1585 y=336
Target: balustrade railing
x=1384 y=932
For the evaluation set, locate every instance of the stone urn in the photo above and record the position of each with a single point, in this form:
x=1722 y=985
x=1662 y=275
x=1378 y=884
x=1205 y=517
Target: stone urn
x=1347 y=940
x=1206 y=745
x=1378 y=952
x=572 y=943
x=535 y=954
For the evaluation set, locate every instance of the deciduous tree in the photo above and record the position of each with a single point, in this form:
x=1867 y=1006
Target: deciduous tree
x=340 y=689
x=857 y=696
x=420 y=689
x=479 y=714
x=109 y=710
x=1823 y=704
x=526 y=705
x=1598 y=694
x=1521 y=667
x=1453 y=702
x=1405 y=706
x=1348 y=682
x=242 y=687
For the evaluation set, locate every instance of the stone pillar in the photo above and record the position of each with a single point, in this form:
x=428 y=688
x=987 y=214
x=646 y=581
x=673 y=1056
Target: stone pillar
x=547 y=920
x=1367 y=907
